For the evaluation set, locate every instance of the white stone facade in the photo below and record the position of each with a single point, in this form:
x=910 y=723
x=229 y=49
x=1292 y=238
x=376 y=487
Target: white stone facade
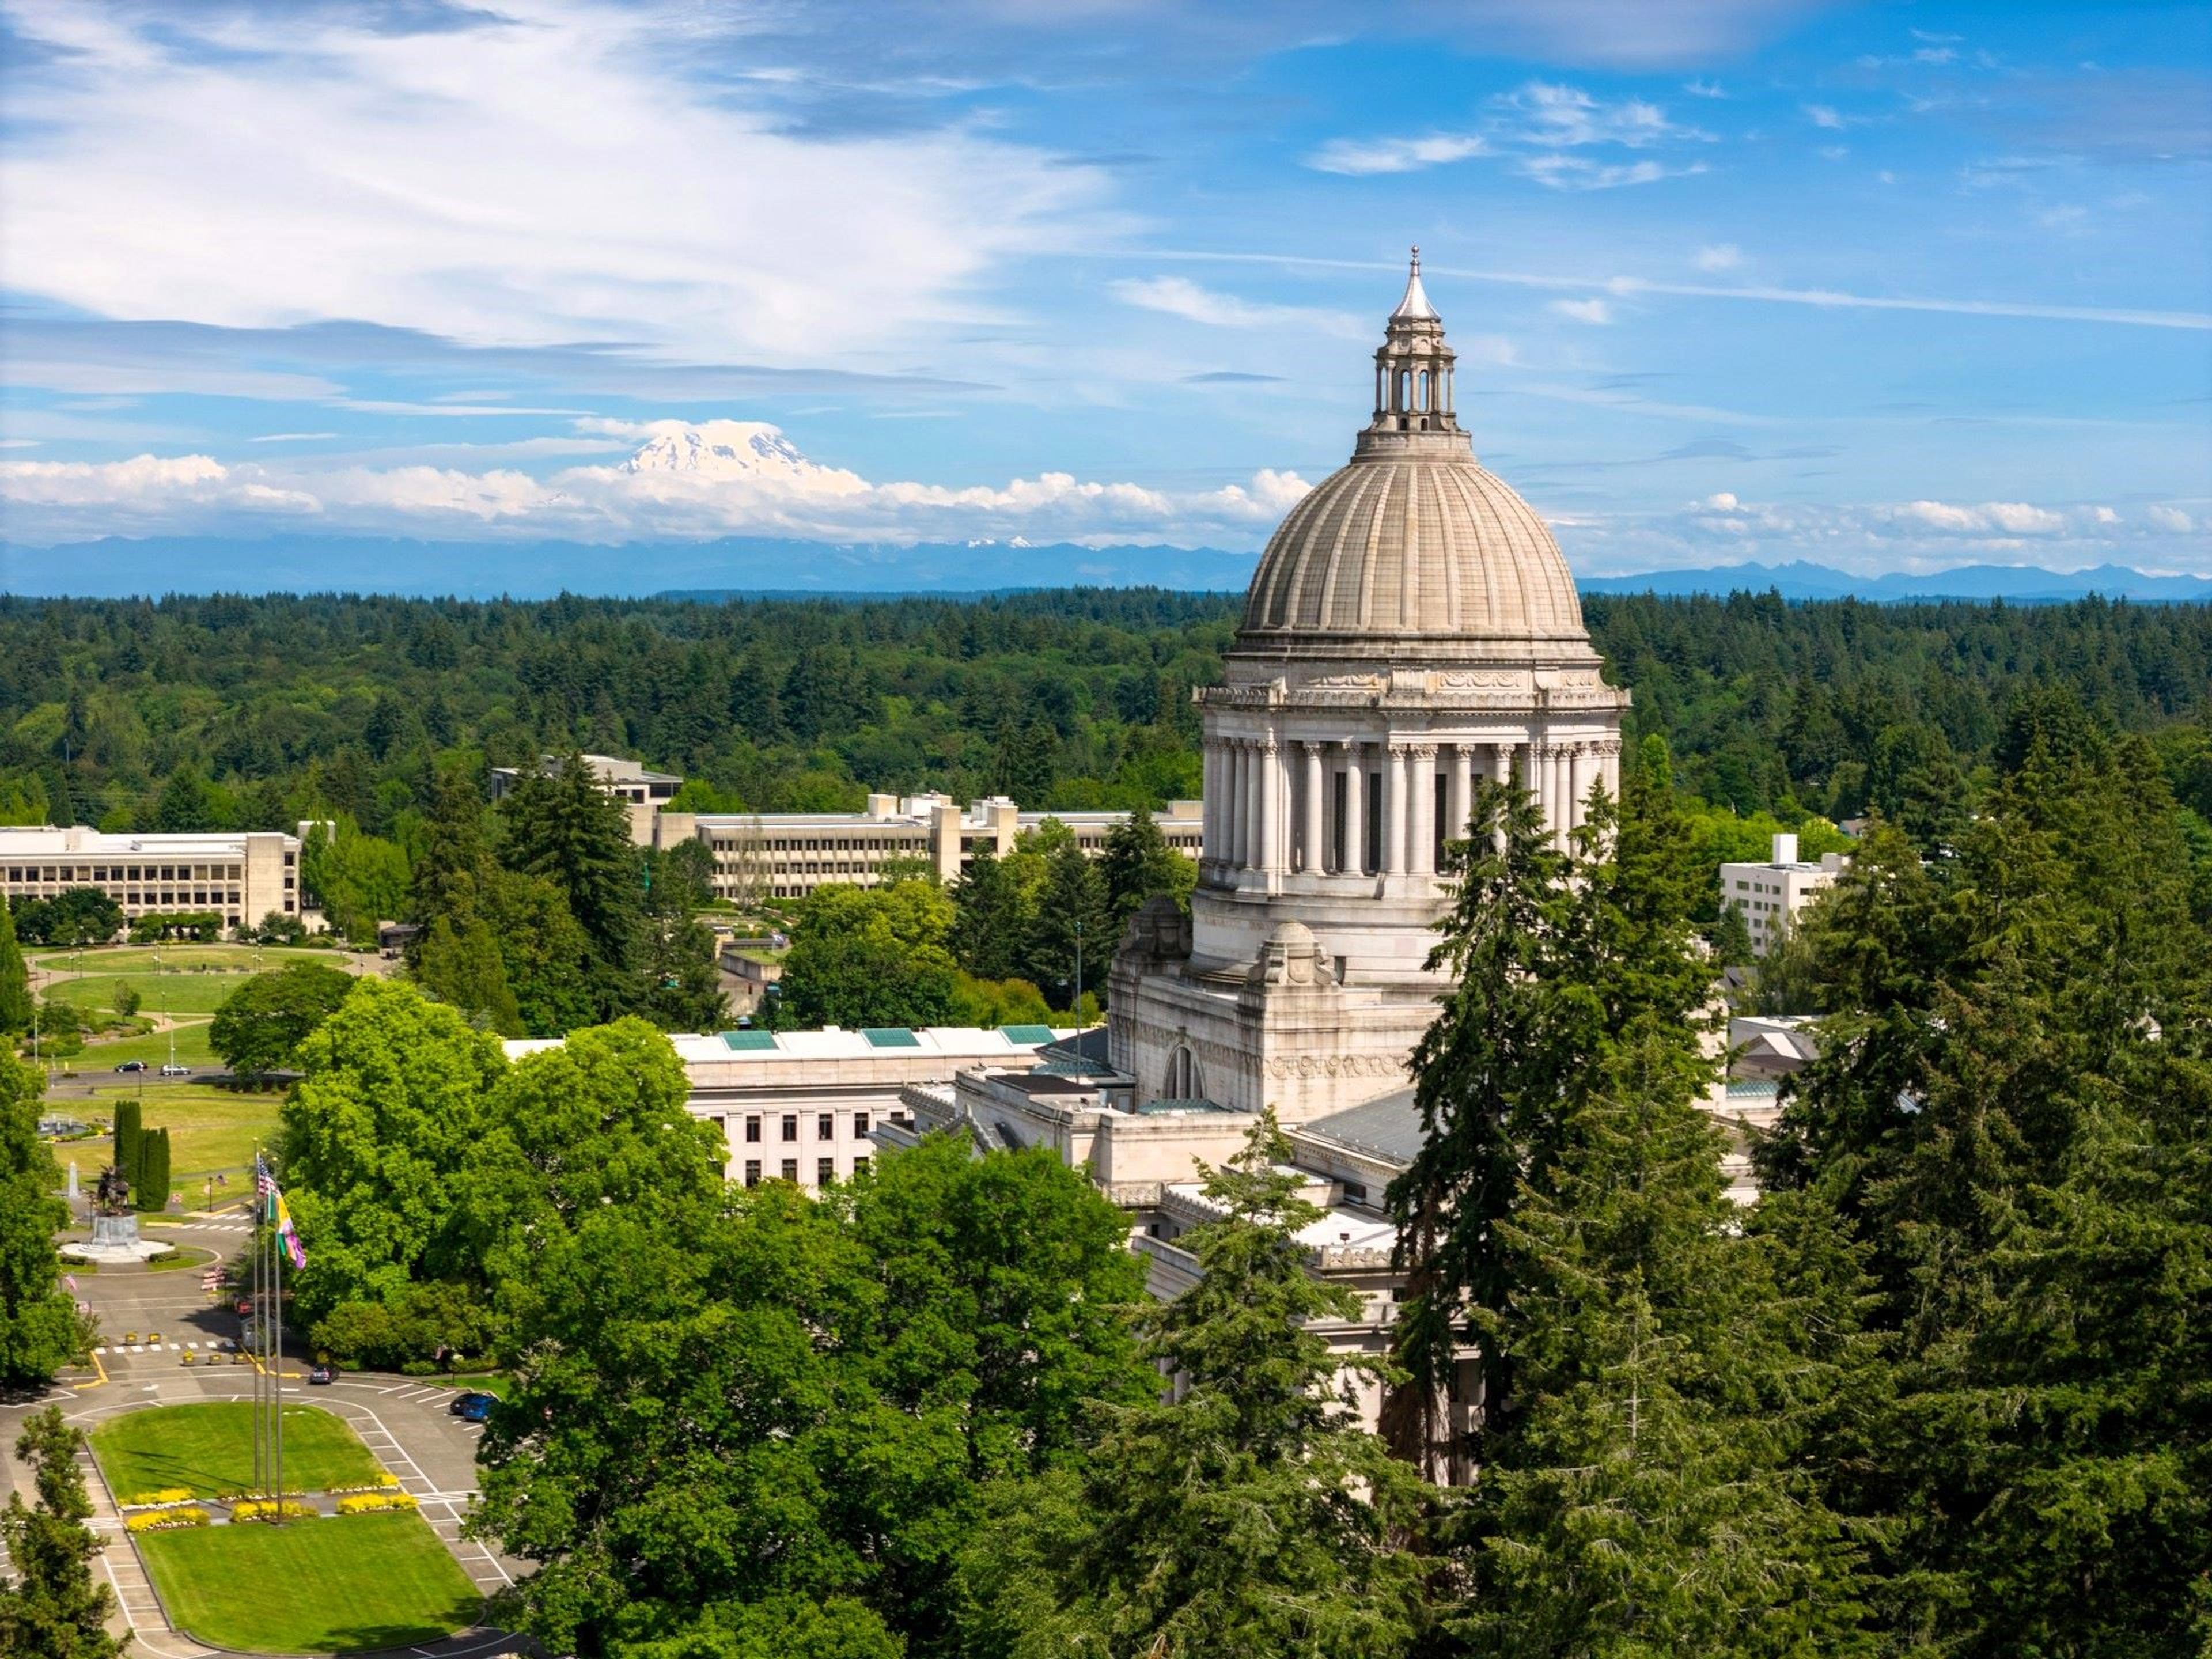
x=1412 y=627
x=1771 y=894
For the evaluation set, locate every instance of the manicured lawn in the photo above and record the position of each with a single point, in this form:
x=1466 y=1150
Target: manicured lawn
x=184 y=994
x=338 y=1584
x=153 y=1048
x=210 y=1129
x=139 y=958
x=208 y=1450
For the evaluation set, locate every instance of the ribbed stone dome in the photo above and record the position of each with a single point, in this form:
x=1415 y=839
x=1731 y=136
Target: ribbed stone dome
x=1413 y=539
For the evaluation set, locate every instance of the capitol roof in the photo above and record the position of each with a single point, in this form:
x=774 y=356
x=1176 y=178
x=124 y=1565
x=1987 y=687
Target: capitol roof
x=1414 y=539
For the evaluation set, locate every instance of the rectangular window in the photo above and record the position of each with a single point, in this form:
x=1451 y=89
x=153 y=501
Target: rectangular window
x=859 y=1126
x=826 y=1126
x=859 y=1164
x=825 y=1172
x=791 y=1126
x=752 y=1172
x=791 y=1170
x=752 y=1130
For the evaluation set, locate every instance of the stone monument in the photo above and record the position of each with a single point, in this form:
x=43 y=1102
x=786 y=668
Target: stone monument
x=115 y=1239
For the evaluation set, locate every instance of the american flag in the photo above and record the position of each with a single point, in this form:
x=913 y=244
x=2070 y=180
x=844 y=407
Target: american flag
x=264 y=1182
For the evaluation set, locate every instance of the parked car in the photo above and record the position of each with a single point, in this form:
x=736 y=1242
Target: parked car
x=324 y=1374
x=473 y=1407
x=176 y=1071
x=132 y=1065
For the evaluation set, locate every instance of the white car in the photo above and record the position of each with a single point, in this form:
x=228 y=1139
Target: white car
x=176 y=1071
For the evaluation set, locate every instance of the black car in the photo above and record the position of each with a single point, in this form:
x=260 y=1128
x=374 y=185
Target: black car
x=322 y=1373
x=132 y=1065
x=473 y=1407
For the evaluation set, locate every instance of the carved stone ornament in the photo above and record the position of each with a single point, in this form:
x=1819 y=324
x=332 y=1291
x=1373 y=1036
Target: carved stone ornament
x=1345 y=682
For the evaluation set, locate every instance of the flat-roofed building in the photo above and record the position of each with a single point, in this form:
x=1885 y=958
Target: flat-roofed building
x=1771 y=894
x=803 y=1106
x=786 y=856
x=241 y=878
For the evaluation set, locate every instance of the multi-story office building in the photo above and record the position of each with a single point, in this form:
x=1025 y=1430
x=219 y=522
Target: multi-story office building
x=241 y=878
x=1771 y=894
x=788 y=855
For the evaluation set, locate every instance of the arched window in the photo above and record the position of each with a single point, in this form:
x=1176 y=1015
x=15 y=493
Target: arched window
x=1183 y=1081
x=1424 y=393
x=1405 y=389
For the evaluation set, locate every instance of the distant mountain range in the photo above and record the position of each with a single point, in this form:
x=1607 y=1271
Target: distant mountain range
x=2019 y=584
x=738 y=565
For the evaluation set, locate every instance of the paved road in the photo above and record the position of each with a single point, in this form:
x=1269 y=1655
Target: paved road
x=403 y=1420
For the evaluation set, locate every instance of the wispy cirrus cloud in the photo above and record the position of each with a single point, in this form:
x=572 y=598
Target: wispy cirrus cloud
x=1178 y=296
x=1535 y=128
x=1360 y=157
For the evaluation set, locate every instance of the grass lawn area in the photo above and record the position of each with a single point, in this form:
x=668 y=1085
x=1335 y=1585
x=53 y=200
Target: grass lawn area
x=192 y=1048
x=210 y=1129
x=186 y=994
x=208 y=1450
x=139 y=958
x=338 y=1584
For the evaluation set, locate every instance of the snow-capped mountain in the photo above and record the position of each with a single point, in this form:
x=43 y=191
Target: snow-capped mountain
x=736 y=451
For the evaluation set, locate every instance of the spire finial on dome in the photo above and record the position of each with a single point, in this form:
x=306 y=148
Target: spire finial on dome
x=1415 y=306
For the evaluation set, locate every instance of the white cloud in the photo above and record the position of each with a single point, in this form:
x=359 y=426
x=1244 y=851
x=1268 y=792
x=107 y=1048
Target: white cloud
x=2018 y=518
x=2013 y=518
x=532 y=176
x=1722 y=502
x=686 y=483
x=1178 y=296
x=1823 y=115
x=1721 y=256
x=2171 y=519
x=1705 y=89
x=1360 y=157
x=1576 y=172
x=1562 y=117
x=1583 y=311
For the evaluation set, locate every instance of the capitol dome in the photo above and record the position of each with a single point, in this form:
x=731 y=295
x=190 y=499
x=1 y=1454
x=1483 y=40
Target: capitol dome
x=1413 y=542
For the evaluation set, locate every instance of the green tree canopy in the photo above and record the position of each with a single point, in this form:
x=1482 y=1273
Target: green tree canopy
x=1250 y=1514
x=51 y=1605
x=14 y=979
x=40 y=1330
x=263 y=1022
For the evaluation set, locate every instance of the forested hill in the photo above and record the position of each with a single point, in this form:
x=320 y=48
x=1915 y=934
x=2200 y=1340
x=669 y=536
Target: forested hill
x=227 y=711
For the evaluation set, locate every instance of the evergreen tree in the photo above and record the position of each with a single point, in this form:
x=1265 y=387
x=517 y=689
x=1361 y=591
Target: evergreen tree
x=151 y=1193
x=683 y=989
x=463 y=966
x=545 y=953
x=52 y=1607
x=453 y=866
x=129 y=1141
x=993 y=919
x=14 y=979
x=1071 y=923
x=40 y=1332
x=187 y=803
x=1137 y=864
x=1248 y=1515
x=563 y=826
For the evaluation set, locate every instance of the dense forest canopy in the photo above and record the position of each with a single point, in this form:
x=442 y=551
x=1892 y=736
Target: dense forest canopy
x=229 y=711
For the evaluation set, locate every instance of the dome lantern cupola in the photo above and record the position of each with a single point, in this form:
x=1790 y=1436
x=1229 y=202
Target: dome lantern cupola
x=1413 y=366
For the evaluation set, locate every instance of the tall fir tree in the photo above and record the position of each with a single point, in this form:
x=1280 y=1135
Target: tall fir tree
x=562 y=827
x=14 y=979
x=40 y=1331
x=992 y=919
x=1137 y=864
x=1071 y=935
x=1249 y=1513
x=51 y=1605
x=462 y=966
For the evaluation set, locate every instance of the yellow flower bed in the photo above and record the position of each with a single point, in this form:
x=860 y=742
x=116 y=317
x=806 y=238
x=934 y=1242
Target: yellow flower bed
x=162 y=1520
x=267 y=1511
x=147 y=1500
x=370 y=1503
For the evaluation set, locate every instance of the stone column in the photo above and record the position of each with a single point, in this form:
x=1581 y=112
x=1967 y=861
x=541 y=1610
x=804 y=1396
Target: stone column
x=1420 y=818
x=1256 y=795
x=1501 y=762
x=1232 y=763
x=1275 y=815
x=1210 y=794
x=1580 y=769
x=1355 y=812
x=1610 y=768
x=1459 y=792
x=1393 y=850
x=1562 y=800
x=1315 y=859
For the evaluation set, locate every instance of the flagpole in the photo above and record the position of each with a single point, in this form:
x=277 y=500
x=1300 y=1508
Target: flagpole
x=258 y=1307
x=276 y=1356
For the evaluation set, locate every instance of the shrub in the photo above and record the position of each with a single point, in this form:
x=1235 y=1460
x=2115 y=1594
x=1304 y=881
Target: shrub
x=147 y=1500
x=370 y=1503
x=263 y=1509
x=163 y=1520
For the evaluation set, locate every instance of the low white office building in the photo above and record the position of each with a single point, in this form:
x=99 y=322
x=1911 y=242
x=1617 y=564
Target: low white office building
x=1771 y=894
x=241 y=878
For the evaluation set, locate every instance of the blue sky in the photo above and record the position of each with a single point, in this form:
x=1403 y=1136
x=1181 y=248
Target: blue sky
x=1887 y=286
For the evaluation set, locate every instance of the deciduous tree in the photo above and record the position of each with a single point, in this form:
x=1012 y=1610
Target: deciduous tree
x=265 y=1020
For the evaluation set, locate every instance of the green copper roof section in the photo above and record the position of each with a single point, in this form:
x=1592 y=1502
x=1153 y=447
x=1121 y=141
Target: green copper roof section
x=889 y=1036
x=1033 y=1035
x=748 y=1042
